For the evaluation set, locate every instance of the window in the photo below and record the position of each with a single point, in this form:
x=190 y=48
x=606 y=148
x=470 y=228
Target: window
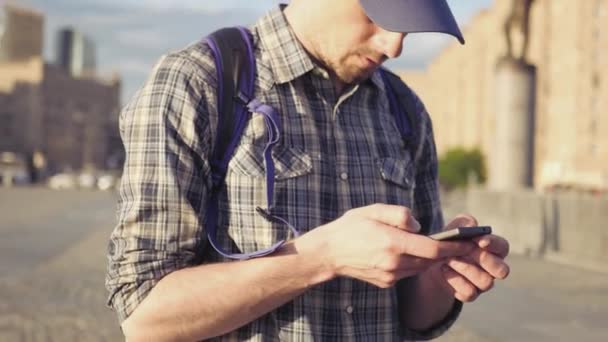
x=7 y=123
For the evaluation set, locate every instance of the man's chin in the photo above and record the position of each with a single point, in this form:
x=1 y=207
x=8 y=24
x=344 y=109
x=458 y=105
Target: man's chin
x=357 y=75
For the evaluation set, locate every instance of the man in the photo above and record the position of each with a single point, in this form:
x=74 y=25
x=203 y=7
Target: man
x=361 y=270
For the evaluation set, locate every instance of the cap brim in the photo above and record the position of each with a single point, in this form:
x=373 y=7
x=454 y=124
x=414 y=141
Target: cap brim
x=410 y=16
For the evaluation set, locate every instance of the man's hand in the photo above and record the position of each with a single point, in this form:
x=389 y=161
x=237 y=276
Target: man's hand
x=378 y=244
x=470 y=275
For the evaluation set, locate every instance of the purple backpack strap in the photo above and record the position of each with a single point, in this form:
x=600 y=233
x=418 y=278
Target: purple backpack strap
x=233 y=53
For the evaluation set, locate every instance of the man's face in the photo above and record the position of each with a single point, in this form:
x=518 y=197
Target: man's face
x=350 y=44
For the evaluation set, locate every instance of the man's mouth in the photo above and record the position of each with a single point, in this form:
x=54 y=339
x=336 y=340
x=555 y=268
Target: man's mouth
x=370 y=63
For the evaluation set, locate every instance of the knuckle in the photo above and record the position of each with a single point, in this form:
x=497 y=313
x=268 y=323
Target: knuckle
x=471 y=220
x=377 y=283
x=390 y=244
x=469 y=293
x=390 y=264
x=351 y=213
x=367 y=224
x=434 y=251
x=373 y=224
x=405 y=213
x=467 y=268
x=458 y=265
x=486 y=284
x=389 y=279
x=376 y=207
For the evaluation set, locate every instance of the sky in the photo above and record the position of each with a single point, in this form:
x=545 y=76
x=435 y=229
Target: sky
x=131 y=35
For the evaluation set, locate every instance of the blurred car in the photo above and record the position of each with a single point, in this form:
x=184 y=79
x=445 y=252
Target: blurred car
x=13 y=169
x=87 y=180
x=63 y=181
x=106 y=182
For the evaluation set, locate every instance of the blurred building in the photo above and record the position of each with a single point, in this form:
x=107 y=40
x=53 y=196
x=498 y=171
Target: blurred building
x=21 y=33
x=75 y=53
x=569 y=47
x=58 y=121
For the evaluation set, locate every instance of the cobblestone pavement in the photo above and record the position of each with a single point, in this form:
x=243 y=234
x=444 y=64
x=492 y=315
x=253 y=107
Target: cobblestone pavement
x=52 y=264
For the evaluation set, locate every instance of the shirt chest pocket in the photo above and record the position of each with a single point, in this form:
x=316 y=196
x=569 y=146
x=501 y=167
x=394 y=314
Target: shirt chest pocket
x=398 y=171
x=248 y=159
x=289 y=162
x=247 y=189
x=398 y=180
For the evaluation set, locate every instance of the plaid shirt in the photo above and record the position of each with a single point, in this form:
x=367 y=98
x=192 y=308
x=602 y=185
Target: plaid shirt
x=336 y=152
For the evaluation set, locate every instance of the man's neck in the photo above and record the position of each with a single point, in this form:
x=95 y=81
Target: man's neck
x=299 y=24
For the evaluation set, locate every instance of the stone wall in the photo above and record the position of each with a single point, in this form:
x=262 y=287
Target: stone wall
x=566 y=227
x=569 y=46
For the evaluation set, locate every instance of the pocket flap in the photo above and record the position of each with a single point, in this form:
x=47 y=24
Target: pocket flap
x=289 y=162
x=397 y=171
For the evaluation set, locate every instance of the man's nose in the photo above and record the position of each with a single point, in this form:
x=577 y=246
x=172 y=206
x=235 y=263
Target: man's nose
x=390 y=43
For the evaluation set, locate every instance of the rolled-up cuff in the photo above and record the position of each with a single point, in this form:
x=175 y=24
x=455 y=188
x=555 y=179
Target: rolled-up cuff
x=125 y=300
x=438 y=329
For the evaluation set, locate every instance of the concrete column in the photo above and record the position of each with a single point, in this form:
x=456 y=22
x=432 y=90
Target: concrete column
x=512 y=160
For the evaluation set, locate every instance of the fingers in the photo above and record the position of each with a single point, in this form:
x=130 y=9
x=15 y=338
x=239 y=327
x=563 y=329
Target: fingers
x=489 y=262
x=469 y=280
x=387 y=274
x=474 y=274
x=462 y=220
x=403 y=263
x=391 y=215
x=493 y=244
x=463 y=289
x=425 y=247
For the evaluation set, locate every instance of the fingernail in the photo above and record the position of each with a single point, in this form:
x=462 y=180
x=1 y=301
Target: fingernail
x=503 y=272
x=484 y=243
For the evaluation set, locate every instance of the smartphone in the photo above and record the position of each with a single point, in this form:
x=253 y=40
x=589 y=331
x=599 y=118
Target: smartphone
x=461 y=233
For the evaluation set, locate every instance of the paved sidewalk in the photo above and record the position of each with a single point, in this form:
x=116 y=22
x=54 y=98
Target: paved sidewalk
x=52 y=265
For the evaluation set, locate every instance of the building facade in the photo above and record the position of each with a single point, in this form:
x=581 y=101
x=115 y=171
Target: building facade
x=569 y=47
x=21 y=33
x=75 y=53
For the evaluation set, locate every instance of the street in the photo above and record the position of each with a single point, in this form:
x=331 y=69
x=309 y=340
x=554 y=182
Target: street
x=52 y=265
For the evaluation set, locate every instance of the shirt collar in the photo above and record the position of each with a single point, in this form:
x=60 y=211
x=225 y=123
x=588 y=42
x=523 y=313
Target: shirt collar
x=288 y=58
x=377 y=80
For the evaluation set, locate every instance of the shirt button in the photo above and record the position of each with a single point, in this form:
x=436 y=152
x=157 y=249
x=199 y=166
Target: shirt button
x=350 y=309
x=344 y=176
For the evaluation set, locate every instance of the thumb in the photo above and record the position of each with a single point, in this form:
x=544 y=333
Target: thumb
x=392 y=215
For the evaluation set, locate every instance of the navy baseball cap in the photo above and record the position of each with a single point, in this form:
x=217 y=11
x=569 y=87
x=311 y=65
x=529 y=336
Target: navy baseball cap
x=410 y=16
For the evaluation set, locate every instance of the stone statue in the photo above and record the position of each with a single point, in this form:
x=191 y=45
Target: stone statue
x=2 y=22
x=518 y=22
x=512 y=161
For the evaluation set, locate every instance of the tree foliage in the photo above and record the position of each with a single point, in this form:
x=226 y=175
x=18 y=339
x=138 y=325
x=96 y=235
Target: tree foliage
x=459 y=166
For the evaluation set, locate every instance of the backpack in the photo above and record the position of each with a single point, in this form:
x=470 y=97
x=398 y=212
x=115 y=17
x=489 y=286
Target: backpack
x=232 y=51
